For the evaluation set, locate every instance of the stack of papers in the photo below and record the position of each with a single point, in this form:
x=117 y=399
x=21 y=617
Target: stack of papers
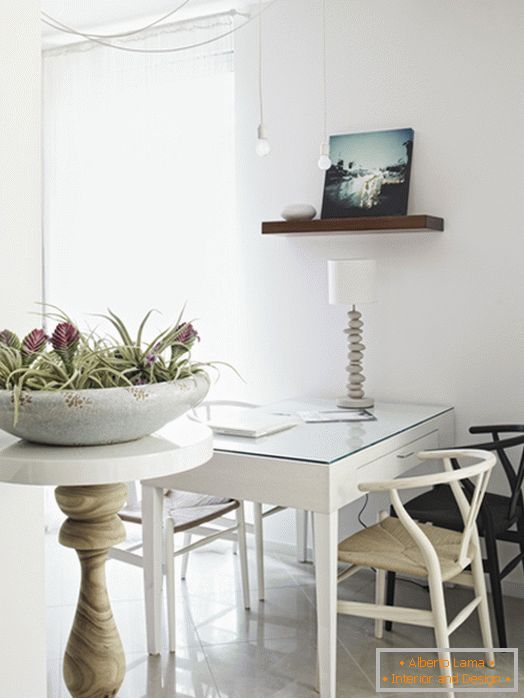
x=252 y=424
x=342 y=415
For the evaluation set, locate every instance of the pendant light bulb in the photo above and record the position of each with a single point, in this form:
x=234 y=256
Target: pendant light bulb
x=324 y=161
x=262 y=148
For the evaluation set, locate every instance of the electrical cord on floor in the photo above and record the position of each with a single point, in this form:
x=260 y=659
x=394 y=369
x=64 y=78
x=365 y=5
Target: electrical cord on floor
x=412 y=581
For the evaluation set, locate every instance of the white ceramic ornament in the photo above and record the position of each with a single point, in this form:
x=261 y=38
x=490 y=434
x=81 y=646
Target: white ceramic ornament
x=299 y=212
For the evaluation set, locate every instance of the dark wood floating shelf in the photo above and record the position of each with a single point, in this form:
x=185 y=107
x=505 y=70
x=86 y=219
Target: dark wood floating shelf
x=415 y=224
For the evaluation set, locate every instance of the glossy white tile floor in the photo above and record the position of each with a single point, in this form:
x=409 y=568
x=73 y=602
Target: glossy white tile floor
x=226 y=652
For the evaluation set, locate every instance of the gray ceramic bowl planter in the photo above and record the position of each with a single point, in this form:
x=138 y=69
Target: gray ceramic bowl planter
x=100 y=416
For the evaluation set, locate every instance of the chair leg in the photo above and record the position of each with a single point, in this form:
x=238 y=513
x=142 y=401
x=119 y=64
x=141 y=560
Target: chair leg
x=302 y=521
x=242 y=550
x=185 y=556
x=259 y=543
x=440 y=625
x=390 y=584
x=153 y=541
x=380 y=589
x=520 y=529
x=479 y=585
x=312 y=519
x=390 y=596
x=496 y=587
x=380 y=599
x=170 y=582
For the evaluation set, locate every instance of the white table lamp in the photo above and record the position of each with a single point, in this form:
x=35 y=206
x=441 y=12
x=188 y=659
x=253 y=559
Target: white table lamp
x=351 y=282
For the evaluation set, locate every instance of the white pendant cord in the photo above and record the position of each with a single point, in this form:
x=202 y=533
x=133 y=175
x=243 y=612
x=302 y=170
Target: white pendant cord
x=89 y=37
x=324 y=161
x=324 y=73
x=121 y=34
x=260 y=63
x=262 y=147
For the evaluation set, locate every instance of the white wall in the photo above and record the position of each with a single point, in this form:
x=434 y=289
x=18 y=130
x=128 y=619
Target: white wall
x=449 y=324
x=22 y=648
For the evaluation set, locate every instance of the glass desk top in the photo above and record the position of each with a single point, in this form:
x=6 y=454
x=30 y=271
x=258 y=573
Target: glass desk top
x=327 y=442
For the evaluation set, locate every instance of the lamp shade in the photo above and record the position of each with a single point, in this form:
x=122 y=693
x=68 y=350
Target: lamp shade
x=351 y=281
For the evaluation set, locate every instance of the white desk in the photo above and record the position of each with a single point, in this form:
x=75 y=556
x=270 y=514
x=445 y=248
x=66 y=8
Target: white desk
x=316 y=467
x=90 y=493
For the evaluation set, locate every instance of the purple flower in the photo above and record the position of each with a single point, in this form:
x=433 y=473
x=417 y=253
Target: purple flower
x=33 y=343
x=65 y=341
x=184 y=338
x=153 y=355
x=188 y=334
x=9 y=339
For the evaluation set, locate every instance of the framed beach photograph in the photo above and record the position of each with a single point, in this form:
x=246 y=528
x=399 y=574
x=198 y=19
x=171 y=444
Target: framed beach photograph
x=369 y=175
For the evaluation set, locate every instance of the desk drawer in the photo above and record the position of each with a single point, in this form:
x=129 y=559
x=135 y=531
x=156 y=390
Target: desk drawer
x=399 y=461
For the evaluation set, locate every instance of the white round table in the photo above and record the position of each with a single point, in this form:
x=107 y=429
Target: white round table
x=90 y=491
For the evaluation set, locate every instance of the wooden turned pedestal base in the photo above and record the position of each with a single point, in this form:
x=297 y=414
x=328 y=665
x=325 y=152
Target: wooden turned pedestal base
x=94 y=662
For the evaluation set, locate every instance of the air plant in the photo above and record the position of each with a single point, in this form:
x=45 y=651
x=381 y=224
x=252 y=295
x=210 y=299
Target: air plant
x=32 y=345
x=9 y=339
x=74 y=360
x=65 y=340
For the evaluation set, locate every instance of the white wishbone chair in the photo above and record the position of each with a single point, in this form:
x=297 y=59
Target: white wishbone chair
x=422 y=550
x=188 y=513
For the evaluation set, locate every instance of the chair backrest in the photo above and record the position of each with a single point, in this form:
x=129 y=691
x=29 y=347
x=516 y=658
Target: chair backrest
x=514 y=475
x=478 y=474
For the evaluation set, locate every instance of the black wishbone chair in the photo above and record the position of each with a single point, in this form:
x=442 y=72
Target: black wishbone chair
x=499 y=514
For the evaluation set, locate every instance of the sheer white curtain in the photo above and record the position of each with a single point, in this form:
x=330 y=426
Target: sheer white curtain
x=139 y=183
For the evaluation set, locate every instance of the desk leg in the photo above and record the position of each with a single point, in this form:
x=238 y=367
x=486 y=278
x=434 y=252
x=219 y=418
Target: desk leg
x=326 y=540
x=301 y=523
x=94 y=662
x=152 y=531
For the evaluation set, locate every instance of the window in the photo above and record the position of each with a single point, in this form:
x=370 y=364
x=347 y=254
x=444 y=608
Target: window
x=139 y=181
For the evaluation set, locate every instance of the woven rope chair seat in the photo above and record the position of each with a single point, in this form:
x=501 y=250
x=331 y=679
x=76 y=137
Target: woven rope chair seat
x=388 y=546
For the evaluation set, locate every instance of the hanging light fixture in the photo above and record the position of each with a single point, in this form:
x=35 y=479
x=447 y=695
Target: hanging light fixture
x=324 y=161
x=107 y=39
x=262 y=147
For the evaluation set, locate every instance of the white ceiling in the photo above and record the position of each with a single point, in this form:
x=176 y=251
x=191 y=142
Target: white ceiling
x=123 y=14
